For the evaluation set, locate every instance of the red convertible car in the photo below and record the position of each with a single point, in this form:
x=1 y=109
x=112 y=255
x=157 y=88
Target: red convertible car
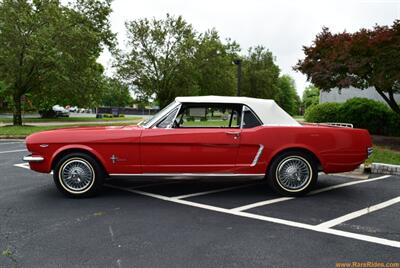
x=201 y=136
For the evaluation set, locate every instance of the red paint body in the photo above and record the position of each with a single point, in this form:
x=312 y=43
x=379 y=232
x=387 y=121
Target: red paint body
x=201 y=150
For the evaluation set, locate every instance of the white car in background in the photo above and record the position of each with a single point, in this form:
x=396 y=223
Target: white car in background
x=60 y=111
x=73 y=109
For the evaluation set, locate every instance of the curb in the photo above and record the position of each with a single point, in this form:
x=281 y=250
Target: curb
x=12 y=137
x=380 y=168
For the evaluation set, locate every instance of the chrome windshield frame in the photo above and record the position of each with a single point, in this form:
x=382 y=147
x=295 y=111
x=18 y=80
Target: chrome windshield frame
x=175 y=110
x=161 y=114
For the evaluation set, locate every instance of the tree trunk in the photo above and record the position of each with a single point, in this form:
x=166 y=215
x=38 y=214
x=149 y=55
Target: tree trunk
x=395 y=107
x=17 y=118
x=390 y=101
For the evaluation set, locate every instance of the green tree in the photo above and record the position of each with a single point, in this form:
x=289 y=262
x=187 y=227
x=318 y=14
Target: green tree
x=83 y=89
x=159 y=56
x=310 y=96
x=213 y=59
x=287 y=96
x=260 y=74
x=116 y=94
x=367 y=58
x=49 y=50
x=4 y=99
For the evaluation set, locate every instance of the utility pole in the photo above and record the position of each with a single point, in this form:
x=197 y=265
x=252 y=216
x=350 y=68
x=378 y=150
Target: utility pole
x=238 y=62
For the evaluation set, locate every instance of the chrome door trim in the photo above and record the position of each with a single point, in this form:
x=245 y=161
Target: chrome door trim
x=242 y=116
x=257 y=156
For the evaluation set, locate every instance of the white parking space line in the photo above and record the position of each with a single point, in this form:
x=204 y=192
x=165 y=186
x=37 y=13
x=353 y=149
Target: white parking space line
x=329 y=188
x=359 y=213
x=262 y=203
x=23 y=165
x=13 y=142
x=26 y=166
x=13 y=151
x=322 y=228
x=216 y=191
x=372 y=239
x=333 y=187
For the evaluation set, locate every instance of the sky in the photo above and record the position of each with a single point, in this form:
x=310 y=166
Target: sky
x=283 y=27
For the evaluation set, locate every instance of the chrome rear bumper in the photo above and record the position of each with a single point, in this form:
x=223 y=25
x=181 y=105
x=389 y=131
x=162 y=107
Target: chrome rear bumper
x=30 y=158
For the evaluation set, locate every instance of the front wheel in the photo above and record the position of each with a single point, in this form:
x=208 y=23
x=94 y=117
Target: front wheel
x=292 y=173
x=78 y=175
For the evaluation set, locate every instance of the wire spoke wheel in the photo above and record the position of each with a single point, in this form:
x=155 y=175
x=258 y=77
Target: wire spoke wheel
x=294 y=173
x=76 y=175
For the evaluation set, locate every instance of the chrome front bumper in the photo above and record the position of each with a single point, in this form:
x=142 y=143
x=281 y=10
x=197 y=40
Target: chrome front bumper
x=30 y=158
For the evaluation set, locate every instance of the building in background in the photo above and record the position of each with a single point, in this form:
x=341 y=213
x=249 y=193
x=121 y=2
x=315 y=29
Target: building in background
x=337 y=95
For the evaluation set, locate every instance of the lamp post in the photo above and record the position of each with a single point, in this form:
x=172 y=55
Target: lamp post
x=238 y=62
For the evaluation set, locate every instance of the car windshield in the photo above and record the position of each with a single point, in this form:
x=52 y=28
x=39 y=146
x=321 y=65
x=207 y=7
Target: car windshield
x=155 y=117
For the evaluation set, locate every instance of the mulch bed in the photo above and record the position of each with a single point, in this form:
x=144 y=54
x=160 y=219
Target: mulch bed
x=388 y=142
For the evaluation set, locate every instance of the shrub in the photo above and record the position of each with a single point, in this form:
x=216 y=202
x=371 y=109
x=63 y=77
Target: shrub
x=365 y=113
x=394 y=124
x=324 y=112
x=361 y=112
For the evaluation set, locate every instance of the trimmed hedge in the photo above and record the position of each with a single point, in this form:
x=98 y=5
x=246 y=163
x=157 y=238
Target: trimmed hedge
x=323 y=112
x=366 y=113
x=361 y=112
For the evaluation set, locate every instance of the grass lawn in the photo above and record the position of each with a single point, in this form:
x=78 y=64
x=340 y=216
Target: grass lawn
x=208 y=123
x=23 y=131
x=71 y=119
x=384 y=155
x=299 y=118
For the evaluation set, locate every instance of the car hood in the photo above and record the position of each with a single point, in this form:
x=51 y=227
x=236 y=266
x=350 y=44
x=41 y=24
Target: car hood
x=95 y=134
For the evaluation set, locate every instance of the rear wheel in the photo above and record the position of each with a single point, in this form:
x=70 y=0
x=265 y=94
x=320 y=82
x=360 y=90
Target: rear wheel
x=78 y=175
x=293 y=173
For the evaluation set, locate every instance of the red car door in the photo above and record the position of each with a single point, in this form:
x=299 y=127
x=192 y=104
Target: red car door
x=198 y=146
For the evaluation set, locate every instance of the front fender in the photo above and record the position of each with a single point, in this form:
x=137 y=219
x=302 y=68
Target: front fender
x=80 y=147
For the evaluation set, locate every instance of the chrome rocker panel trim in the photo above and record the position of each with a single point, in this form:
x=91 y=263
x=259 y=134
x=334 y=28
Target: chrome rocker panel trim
x=185 y=175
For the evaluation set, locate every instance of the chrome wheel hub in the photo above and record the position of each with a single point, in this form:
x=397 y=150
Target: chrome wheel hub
x=294 y=173
x=77 y=174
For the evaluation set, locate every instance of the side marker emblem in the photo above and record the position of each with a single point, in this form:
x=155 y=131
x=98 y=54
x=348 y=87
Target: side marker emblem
x=114 y=159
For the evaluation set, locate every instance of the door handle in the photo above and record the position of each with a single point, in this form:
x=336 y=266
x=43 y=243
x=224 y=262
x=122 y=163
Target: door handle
x=234 y=133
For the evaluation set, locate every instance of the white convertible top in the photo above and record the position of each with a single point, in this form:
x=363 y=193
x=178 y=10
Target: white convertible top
x=267 y=110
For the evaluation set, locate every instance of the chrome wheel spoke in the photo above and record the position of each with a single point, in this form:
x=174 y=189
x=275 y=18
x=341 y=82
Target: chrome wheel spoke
x=77 y=174
x=293 y=173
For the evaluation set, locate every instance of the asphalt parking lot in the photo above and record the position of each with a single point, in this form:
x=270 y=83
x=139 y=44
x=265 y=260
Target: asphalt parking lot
x=194 y=223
